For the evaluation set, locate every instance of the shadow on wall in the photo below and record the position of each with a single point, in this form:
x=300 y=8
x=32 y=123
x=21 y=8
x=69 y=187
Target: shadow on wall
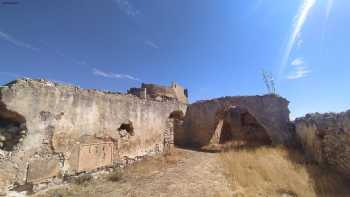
x=177 y=120
x=12 y=129
x=234 y=125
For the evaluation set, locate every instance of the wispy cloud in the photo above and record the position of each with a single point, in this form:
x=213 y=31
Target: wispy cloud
x=127 y=7
x=298 y=24
x=16 y=42
x=329 y=8
x=298 y=62
x=101 y=73
x=300 y=69
x=151 y=44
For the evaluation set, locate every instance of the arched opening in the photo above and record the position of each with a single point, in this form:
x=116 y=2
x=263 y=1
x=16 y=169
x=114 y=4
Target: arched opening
x=241 y=127
x=176 y=130
x=12 y=128
x=254 y=132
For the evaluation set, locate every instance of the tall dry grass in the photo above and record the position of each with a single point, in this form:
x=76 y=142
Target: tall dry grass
x=278 y=171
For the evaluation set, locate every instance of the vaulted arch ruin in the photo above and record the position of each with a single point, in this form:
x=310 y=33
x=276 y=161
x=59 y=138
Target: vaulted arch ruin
x=237 y=125
x=248 y=118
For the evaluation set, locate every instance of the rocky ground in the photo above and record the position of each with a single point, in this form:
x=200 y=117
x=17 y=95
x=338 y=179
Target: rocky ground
x=264 y=171
x=182 y=173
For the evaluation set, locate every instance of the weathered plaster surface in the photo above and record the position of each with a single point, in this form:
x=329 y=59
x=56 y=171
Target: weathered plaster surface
x=65 y=124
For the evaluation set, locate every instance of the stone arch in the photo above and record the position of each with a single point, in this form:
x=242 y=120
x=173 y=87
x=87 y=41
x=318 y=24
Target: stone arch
x=237 y=124
x=176 y=122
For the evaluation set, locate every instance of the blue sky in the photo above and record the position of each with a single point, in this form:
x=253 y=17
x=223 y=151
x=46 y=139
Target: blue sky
x=214 y=48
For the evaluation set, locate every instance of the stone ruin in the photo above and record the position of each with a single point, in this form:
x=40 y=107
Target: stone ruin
x=242 y=118
x=326 y=139
x=160 y=93
x=49 y=131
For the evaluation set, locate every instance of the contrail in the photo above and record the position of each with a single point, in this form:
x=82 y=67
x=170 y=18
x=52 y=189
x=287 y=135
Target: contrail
x=298 y=24
x=329 y=8
x=14 y=41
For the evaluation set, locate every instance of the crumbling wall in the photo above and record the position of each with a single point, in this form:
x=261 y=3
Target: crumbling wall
x=69 y=130
x=160 y=93
x=180 y=92
x=270 y=111
x=326 y=139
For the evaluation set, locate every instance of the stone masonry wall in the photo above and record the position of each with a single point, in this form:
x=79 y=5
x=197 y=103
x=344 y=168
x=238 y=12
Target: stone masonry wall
x=158 y=92
x=64 y=130
x=326 y=139
x=270 y=111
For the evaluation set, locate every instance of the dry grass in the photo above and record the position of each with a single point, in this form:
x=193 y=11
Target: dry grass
x=271 y=171
x=86 y=186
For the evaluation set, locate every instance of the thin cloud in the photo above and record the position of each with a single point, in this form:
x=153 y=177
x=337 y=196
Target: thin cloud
x=151 y=44
x=127 y=7
x=101 y=73
x=300 y=69
x=329 y=8
x=299 y=72
x=298 y=25
x=14 y=41
x=297 y=62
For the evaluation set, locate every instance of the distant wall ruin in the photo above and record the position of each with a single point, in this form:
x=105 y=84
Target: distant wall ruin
x=326 y=139
x=202 y=121
x=49 y=130
x=158 y=92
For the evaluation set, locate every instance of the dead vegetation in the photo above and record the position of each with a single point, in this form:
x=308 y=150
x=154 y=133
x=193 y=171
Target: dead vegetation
x=236 y=171
x=276 y=171
x=116 y=175
x=119 y=180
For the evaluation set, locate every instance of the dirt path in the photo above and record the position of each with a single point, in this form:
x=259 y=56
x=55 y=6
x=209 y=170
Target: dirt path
x=184 y=173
